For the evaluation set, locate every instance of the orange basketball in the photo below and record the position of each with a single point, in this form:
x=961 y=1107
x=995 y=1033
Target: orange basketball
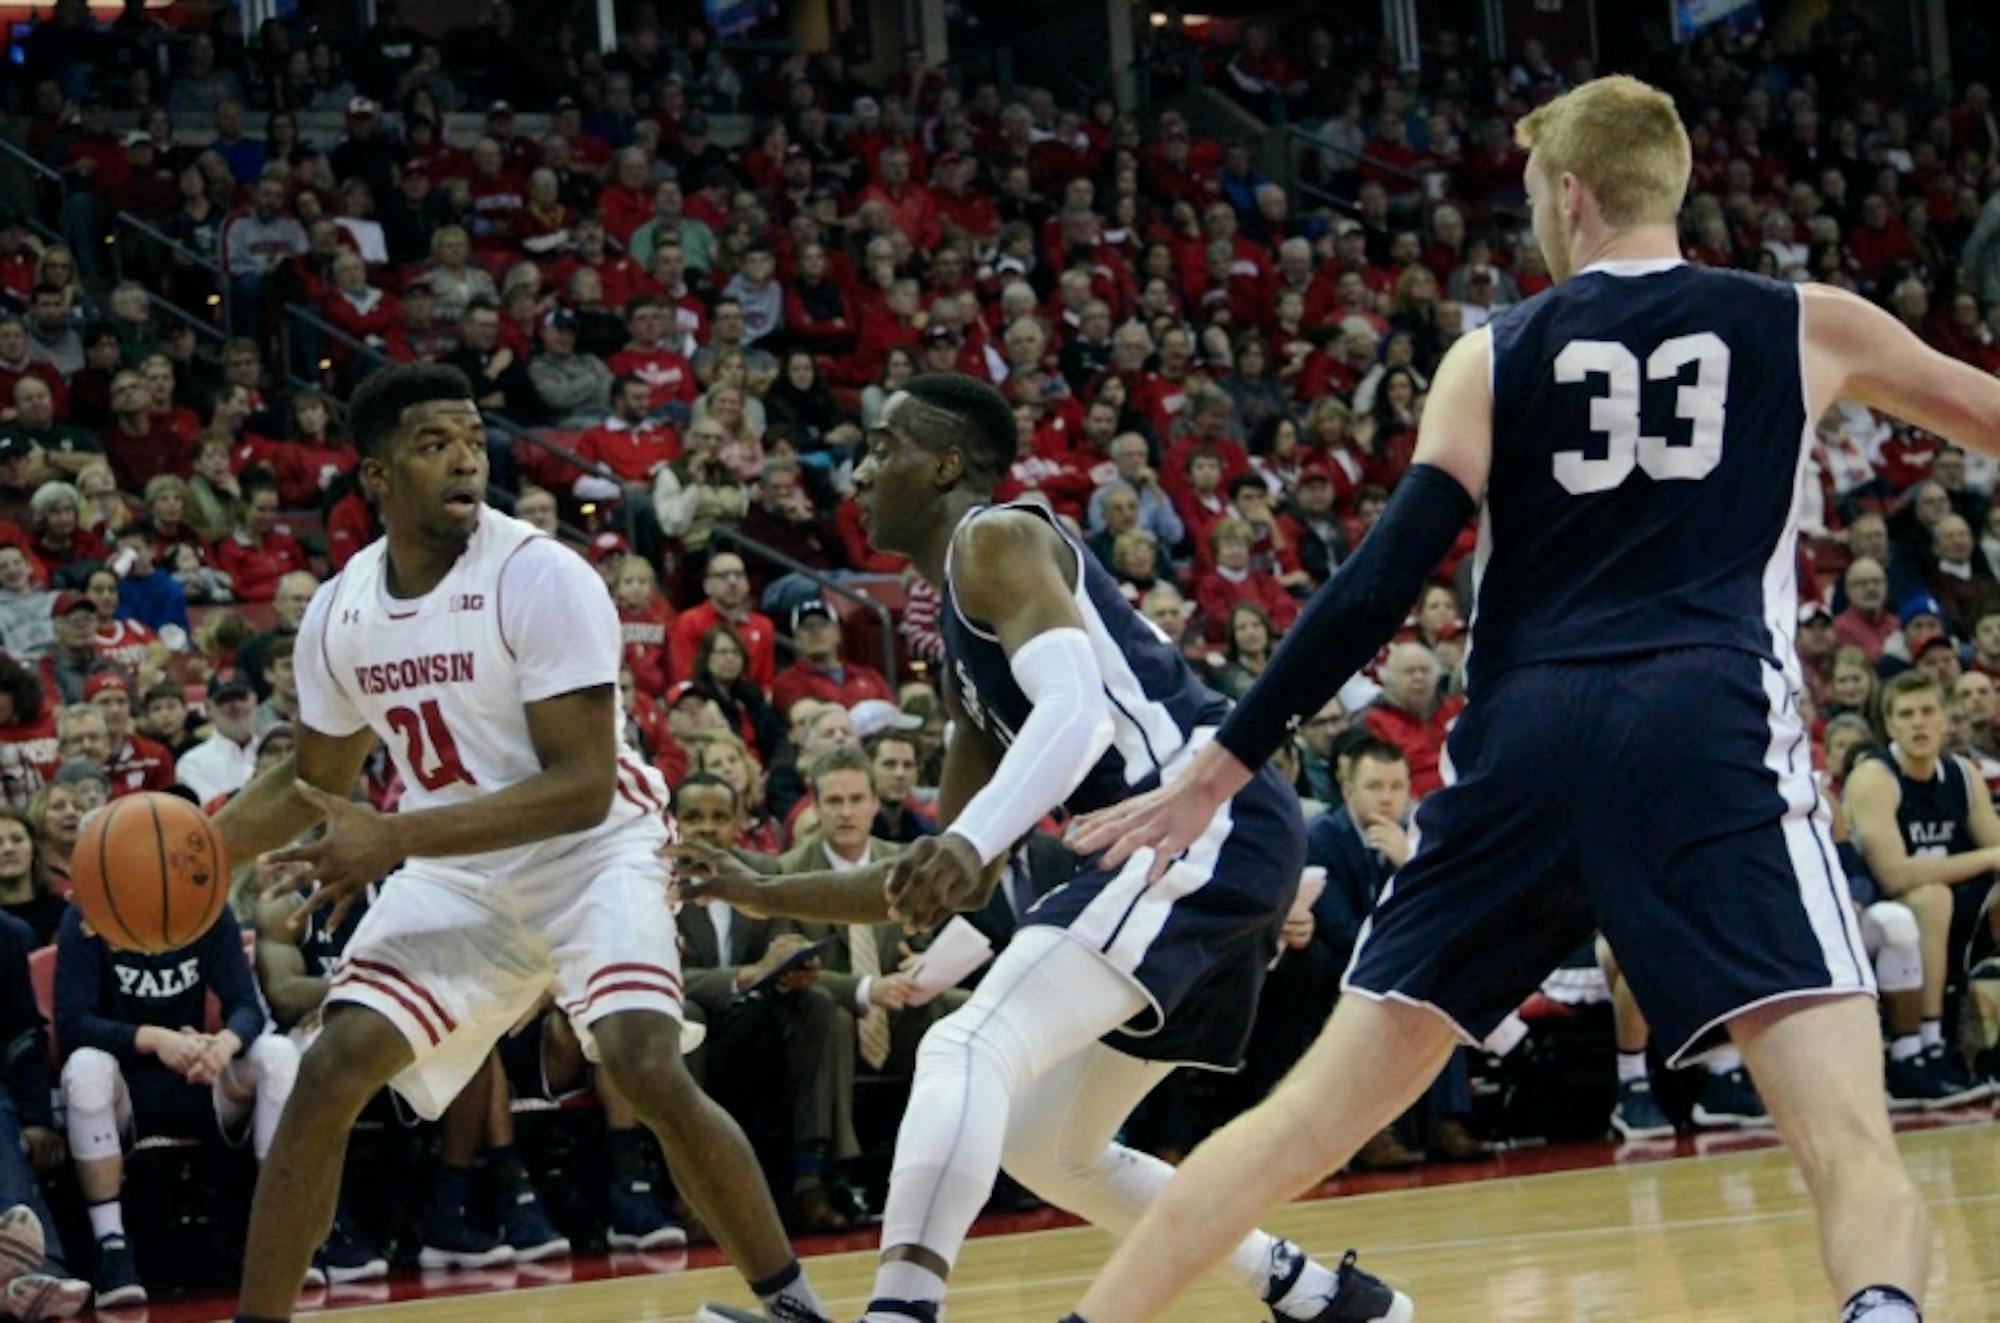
x=149 y=873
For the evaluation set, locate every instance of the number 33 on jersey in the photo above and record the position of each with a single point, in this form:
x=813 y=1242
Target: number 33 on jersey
x=444 y=680
x=1650 y=447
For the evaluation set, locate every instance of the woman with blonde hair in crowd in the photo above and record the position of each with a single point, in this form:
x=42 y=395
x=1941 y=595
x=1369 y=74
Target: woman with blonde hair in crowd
x=55 y=815
x=742 y=446
x=101 y=508
x=24 y=883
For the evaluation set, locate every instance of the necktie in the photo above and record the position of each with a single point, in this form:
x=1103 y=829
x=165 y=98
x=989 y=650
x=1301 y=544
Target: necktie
x=864 y=960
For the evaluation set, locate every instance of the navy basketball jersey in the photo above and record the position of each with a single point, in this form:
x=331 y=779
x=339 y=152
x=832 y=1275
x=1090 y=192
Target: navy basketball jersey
x=1156 y=701
x=1649 y=445
x=1931 y=814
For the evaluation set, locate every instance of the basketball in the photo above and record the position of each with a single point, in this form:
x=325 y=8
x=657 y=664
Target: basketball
x=149 y=873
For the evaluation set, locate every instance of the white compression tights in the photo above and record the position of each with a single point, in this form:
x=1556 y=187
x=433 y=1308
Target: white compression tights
x=1017 y=1074
x=1059 y=1144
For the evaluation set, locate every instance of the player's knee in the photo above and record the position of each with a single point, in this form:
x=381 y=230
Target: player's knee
x=640 y=1054
x=90 y=1080
x=1894 y=922
x=1046 y=1164
x=979 y=1042
x=352 y=1058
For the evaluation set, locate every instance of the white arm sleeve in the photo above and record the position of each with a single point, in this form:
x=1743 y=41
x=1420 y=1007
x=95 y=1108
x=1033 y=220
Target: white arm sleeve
x=1066 y=732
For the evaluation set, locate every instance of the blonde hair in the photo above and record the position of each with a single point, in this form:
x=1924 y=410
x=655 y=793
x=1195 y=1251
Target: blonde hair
x=1622 y=139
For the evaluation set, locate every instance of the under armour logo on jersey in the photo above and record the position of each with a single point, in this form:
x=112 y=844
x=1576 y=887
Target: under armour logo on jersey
x=350 y=617
x=468 y=601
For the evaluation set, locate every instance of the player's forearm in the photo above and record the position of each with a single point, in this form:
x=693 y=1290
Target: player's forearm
x=1347 y=621
x=267 y=813
x=856 y=896
x=1912 y=871
x=556 y=801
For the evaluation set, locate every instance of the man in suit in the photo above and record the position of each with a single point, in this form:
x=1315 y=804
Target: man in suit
x=1361 y=844
x=724 y=954
x=874 y=1015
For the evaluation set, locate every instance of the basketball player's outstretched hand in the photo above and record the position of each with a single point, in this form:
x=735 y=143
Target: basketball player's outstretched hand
x=357 y=847
x=932 y=880
x=1167 y=820
x=703 y=874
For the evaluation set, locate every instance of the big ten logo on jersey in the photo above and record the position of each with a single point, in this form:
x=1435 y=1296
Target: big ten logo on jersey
x=1617 y=414
x=468 y=601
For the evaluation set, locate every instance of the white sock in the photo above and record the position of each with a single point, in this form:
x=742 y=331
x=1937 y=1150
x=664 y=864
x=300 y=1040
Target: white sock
x=790 y=1286
x=1631 y=1066
x=1906 y=1047
x=107 y=1219
x=1933 y=1034
x=902 y=1280
x=1723 y=1060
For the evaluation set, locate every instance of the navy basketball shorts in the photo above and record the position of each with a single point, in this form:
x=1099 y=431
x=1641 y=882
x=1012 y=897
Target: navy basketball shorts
x=1668 y=801
x=1197 y=941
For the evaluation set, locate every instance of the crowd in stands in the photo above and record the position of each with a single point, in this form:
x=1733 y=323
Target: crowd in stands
x=1217 y=380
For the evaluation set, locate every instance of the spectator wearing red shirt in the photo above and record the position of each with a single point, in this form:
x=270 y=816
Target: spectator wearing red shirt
x=136 y=763
x=644 y=618
x=960 y=207
x=1235 y=579
x=727 y=584
x=140 y=444
x=619 y=277
x=1209 y=416
x=498 y=198
x=648 y=357
x=628 y=202
x=1879 y=239
x=909 y=203
x=257 y=553
x=1867 y=623
x=784 y=518
x=29 y=749
x=1410 y=715
x=357 y=308
x=819 y=313
x=631 y=445
x=1198 y=498
x=821 y=672
x=308 y=460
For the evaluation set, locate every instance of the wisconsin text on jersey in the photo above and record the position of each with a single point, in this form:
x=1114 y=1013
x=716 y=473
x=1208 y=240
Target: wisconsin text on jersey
x=415 y=672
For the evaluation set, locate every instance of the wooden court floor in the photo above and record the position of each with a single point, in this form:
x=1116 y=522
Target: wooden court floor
x=1718 y=1238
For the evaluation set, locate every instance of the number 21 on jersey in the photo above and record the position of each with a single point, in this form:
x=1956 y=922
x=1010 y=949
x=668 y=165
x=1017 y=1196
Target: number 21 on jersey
x=1614 y=414
x=428 y=746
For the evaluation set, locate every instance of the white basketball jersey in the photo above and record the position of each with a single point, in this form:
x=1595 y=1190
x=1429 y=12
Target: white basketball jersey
x=445 y=679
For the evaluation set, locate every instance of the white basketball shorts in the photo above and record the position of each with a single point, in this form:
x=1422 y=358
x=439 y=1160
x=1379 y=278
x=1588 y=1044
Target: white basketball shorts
x=454 y=959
